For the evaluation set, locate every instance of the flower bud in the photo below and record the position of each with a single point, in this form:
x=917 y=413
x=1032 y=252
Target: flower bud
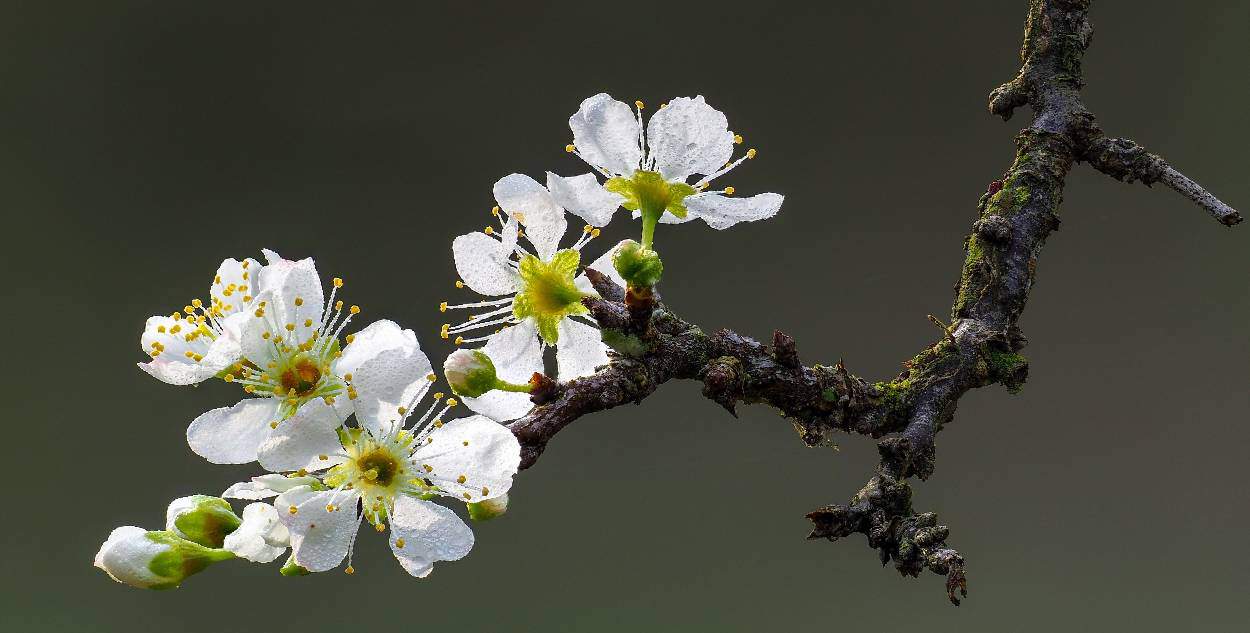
x=201 y=519
x=153 y=560
x=262 y=537
x=638 y=266
x=470 y=373
x=488 y=509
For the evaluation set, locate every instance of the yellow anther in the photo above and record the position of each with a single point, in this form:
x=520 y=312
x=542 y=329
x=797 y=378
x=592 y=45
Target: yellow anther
x=466 y=496
x=751 y=153
x=177 y=316
x=729 y=191
x=351 y=393
x=349 y=570
x=292 y=509
x=428 y=468
x=438 y=423
x=403 y=410
x=350 y=338
x=338 y=282
x=197 y=303
x=570 y=148
x=338 y=305
x=461 y=479
x=264 y=335
x=260 y=312
x=490 y=230
x=431 y=377
x=459 y=340
x=246 y=299
x=249 y=389
x=188 y=309
x=354 y=309
x=299 y=301
x=587 y=228
x=301 y=473
x=594 y=233
x=347 y=377
x=245 y=264
x=228 y=378
x=399 y=542
x=438 y=395
x=160 y=328
x=494 y=211
x=307 y=322
x=217 y=279
x=188 y=353
x=329 y=507
x=381 y=527
x=466 y=442
x=485 y=491
x=638 y=104
x=323 y=457
x=442 y=307
x=520 y=217
x=329 y=399
x=290 y=327
x=198 y=358
x=738 y=139
x=459 y=284
x=451 y=402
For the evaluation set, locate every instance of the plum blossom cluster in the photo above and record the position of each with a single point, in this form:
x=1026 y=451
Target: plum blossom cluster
x=346 y=423
x=530 y=297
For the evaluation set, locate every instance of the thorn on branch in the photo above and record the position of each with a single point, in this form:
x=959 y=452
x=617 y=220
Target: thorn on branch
x=784 y=350
x=543 y=389
x=604 y=285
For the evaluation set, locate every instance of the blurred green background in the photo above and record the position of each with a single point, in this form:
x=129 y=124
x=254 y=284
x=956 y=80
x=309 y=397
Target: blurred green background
x=143 y=142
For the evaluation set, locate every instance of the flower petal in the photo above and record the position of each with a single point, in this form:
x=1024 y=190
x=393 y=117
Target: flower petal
x=377 y=337
x=231 y=435
x=688 y=137
x=482 y=263
x=232 y=284
x=429 y=533
x=722 y=212
x=175 y=362
x=605 y=133
x=265 y=486
x=319 y=536
x=603 y=265
x=301 y=440
x=393 y=379
x=531 y=203
x=485 y=453
x=262 y=537
x=517 y=355
x=297 y=297
x=585 y=197
x=580 y=351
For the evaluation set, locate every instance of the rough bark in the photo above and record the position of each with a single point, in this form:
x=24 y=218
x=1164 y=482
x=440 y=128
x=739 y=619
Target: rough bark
x=980 y=347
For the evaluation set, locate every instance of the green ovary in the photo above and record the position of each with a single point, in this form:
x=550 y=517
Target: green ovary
x=548 y=293
x=649 y=193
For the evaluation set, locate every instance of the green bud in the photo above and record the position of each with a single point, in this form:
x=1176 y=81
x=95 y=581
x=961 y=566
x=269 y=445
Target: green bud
x=153 y=560
x=470 y=373
x=488 y=509
x=638 y=266
x=201 y=519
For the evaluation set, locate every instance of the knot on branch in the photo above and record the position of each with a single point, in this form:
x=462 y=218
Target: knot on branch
x=882 y=511
x=1006 y=98
x=906 y=457
x=723 y=382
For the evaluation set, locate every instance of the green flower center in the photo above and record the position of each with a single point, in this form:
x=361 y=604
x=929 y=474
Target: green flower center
x=650 y=193
x=548 y=293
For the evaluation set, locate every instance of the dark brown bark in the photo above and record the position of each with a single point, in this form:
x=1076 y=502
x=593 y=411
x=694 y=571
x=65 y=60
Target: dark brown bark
x=980 y=347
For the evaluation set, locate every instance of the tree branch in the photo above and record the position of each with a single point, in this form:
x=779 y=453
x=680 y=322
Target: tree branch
x=980 y=347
